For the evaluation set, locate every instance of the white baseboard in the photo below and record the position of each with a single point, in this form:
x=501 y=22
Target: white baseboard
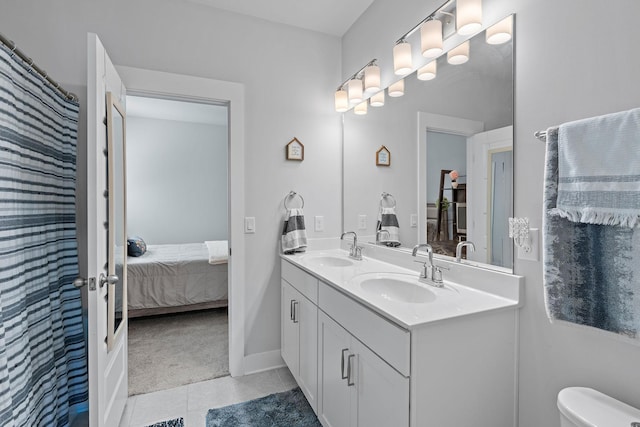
x=259 y=362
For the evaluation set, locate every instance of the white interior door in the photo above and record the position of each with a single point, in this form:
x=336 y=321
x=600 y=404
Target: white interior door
x=108 y=386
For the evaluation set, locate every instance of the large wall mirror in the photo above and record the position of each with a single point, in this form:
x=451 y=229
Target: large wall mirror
x=451 y=145
x=117 y=240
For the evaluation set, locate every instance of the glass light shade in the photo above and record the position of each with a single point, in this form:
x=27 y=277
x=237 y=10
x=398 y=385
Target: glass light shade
x=361 y=109
x=396 y=89
x=468 y=16
x=355 y=91
x=428 y=72
x=431 y=38
x=377 y=100
x=372 y=79
x=459 y=54
x=342 y=101
x=501 y=32
x=402 y=63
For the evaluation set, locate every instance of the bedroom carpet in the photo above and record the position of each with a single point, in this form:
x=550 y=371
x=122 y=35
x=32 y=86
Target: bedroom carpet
x=176 y=349
x=286 y=409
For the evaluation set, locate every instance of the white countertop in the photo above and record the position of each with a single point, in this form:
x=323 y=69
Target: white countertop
x=452 y=300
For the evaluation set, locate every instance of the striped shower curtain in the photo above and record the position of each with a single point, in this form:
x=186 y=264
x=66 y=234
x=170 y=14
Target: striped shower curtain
x=43 y=368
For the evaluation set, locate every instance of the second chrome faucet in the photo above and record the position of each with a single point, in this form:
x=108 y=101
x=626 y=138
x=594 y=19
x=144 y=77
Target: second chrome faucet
x=355 y=251
x=430 y=274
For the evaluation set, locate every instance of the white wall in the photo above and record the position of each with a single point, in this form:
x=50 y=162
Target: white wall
x=176 y=181
x=566 y=69
x=289 y=76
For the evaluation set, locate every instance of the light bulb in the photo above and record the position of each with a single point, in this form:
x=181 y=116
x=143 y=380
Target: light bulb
x=372 y=79
x=459 y=54
x=428 y=72
x=361 y=109
x=342 y=100
x=377 y=100
x=396 y=89
x=468 y=16
x=431 y=38
x=501 y=32
x=402 y=63
x=355 y=91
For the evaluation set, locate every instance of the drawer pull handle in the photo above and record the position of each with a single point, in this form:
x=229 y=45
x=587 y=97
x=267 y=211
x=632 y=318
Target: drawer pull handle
x=344 y=377
x=291 y=309
x=349 y=369
x=295 y=311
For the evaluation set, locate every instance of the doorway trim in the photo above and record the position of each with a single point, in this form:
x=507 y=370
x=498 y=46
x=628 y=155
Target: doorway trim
x=149 y=82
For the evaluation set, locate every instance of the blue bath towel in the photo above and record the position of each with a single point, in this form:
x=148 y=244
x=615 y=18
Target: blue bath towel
x=591 y=271
x=599 y=170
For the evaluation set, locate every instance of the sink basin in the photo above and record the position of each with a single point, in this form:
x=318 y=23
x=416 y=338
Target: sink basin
x=398 y=288
x=329 y=261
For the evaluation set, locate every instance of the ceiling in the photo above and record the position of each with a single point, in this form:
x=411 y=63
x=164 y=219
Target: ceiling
x=332 y=17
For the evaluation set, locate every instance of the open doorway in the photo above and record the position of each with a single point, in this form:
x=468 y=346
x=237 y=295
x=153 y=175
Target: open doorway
x=178 y=225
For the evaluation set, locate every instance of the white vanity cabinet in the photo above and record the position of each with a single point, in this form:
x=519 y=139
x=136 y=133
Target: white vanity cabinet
x=356 y=387
x=299 y=329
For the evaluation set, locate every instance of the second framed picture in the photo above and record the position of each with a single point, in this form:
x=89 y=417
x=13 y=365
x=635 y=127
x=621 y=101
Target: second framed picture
x=383 y=157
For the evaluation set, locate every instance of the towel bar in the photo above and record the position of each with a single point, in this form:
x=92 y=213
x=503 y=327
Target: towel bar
x=541 y=135
x=291 y=195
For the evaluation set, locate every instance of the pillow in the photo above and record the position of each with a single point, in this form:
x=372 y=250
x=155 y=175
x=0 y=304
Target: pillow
x=136 y=246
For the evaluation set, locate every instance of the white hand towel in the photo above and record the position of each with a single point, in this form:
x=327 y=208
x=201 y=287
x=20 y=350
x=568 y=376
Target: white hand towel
x=294 y=234
x=218 y=251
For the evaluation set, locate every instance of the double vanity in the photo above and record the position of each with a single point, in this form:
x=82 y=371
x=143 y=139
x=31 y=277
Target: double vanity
x=371 y=345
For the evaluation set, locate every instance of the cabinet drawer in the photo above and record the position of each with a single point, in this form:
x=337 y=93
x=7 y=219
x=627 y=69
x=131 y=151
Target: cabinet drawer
x=389 y=341
x=304 y=282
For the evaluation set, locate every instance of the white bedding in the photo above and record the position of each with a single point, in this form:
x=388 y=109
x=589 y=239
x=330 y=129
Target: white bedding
x=174 y=275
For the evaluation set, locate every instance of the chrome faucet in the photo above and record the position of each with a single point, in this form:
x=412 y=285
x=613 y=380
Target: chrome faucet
x=355 y=251
x=430 y=274
x=379 y=233
x=462 y=245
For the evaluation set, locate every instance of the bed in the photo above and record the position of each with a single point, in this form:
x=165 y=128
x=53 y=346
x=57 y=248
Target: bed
x=176 y=278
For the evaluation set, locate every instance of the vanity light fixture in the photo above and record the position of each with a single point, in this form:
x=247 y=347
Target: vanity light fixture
x=396 y=89
x=342 y=100
x=429 y=71
x=402 y=62
x=459 y=54
x=431 y=38
x=361 y=109
x=468 y=16
x=377 y=100
x=500 y=32
x=351 y=92
x=372 y=78
x=355 y=91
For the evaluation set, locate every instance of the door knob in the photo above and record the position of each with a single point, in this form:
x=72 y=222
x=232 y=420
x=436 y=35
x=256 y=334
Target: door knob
x=80 y=282
x=111 y=279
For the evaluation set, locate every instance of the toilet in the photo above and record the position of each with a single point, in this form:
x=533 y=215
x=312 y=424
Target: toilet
x=586 y=407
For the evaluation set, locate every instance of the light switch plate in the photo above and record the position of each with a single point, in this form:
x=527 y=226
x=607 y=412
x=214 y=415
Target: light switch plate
x=319 y=223
x=249 y=224
x=362 y=222
x=534 y=247
x=414 y=220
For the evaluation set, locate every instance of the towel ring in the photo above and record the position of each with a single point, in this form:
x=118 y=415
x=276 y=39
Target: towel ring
x=291 y=195
x=385 y=196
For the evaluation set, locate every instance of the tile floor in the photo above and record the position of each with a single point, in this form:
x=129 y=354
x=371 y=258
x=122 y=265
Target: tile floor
x=192 y=401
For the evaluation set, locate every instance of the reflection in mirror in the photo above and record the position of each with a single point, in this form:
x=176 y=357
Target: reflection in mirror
x=117 y=250
x=464 y=123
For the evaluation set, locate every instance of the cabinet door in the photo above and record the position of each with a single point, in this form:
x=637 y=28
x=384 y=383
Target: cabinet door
x=290 y=300
x=334 y=399
x=382 y=392
x=308 y=361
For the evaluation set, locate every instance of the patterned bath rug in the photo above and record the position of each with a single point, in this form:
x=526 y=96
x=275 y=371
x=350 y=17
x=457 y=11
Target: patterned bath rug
x=178 y=422
x=286 y=409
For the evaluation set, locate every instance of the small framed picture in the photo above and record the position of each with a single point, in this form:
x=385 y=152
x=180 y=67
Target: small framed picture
x=383 y=157
x=295 y=150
